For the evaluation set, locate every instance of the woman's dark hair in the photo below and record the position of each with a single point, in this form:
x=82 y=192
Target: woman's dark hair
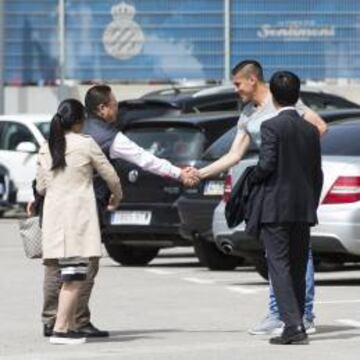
x=69 y=113
x=95 y=96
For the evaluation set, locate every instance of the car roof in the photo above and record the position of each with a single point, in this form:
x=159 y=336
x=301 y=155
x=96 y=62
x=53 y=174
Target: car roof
x=185 y=119
x=183 y=94
x=177 y=96
x=26 y=118
x=146 y=102
x=175 y=91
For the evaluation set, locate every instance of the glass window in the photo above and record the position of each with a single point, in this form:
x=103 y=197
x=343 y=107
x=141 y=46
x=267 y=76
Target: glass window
x=44 y=128
x=219 y=106
x=2 y=182
x=13 y=134
x=221 y=146
x=2 y=126
x=342 y=140
x=174 y=143
x=318 y=102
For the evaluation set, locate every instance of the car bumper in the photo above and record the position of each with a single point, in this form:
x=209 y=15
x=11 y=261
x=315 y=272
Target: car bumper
x=4 y=205
x=337 y=234
x=196 y=217
x=338 y=231
x=238 y=243
x=162 y=231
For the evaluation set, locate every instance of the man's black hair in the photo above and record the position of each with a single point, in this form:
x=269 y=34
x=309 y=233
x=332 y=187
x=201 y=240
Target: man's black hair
x=249 y=67
x=285 y=88
x=95 y=96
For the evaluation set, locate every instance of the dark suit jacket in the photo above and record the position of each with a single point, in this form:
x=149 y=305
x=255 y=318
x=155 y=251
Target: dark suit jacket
x=235 y=208
x=289 y=168
x=245 y=204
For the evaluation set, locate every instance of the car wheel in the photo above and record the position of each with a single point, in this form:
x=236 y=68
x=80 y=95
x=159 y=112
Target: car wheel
x=261 y=266
x=210 y=256
x=131 y=255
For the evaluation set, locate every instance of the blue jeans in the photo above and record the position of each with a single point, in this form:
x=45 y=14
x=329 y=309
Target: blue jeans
x=309 y=296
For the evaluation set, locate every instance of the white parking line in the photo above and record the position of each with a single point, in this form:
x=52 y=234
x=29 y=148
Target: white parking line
x=337 y=302
x=243 y=290
x=160 y=272
x=199 y=281
x=11 y=249
x=349 y=322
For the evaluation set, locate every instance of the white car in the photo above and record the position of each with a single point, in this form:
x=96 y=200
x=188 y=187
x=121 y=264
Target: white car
x=20 y=139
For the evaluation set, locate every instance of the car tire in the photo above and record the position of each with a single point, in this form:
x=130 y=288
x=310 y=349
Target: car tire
x=131 y=255
x=261 y=266
x=211 y=257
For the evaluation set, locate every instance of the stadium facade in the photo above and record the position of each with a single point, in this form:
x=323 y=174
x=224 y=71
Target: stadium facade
x=146 y=41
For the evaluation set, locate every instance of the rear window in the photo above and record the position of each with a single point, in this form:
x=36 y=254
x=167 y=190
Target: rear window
x=173 y=143
x=232 y=105
x=341 y=140
x=319 y=102
x=221 y=146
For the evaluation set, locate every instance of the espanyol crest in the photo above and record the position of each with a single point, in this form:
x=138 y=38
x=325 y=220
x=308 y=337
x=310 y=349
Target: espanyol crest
x=123 y=38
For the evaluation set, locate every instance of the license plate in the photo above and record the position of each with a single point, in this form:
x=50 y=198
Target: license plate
x=213 y=188
x=131 y=217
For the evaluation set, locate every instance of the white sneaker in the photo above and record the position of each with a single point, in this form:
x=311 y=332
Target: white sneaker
x=309 y=327
x=68 y=338
x=270 y=325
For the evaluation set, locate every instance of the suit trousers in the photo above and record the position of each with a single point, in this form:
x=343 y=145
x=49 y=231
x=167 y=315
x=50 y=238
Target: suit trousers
x=51 y=289
x=287 y=249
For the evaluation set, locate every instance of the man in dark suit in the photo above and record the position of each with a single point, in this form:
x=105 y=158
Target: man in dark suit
x=289 y=170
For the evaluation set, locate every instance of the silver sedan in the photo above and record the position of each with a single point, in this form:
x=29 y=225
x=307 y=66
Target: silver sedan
x=337 y=236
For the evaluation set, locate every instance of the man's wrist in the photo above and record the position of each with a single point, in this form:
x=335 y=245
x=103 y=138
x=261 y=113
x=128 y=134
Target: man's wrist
x=175 y=173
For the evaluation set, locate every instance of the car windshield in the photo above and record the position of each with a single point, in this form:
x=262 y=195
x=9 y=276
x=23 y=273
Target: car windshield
x=44 y=128
x=342 y=140
x=222 y=145
x=174 y=143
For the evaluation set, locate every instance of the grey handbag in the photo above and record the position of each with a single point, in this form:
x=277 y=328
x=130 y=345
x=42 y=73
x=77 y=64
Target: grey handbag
x=30 y=233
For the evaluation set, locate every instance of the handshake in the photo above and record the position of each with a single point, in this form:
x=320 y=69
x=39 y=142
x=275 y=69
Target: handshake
x=190 y=176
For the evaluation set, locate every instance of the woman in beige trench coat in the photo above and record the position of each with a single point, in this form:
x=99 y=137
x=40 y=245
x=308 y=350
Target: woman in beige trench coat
x=70 y=225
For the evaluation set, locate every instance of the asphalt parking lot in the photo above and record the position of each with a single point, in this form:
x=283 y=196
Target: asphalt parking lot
x=173 y=309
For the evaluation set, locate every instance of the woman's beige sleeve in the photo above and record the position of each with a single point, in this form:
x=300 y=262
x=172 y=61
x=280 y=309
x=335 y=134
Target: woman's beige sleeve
x=102 y=165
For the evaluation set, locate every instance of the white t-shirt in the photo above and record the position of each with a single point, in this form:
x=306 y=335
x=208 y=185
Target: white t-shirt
x=252 y=116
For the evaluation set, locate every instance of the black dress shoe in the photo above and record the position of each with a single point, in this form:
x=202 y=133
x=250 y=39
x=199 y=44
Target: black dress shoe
x=89 y=330
x=48 y=330
x=295 y=335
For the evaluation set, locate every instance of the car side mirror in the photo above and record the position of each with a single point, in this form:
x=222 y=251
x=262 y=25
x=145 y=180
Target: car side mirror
x=27 y=147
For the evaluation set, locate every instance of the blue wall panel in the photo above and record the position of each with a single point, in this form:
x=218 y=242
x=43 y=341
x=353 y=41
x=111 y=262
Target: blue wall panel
x=168 y=39
x=31 y=49
x=317 y=39
x=177 y=40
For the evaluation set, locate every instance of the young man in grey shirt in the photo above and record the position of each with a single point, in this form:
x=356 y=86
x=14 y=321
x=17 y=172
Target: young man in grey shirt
x=249 y=83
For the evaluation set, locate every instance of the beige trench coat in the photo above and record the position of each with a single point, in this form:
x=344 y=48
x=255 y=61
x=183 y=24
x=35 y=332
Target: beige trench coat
x=70 y=220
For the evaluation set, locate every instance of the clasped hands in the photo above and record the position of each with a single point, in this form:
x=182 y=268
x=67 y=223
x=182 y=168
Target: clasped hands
x=190 y=176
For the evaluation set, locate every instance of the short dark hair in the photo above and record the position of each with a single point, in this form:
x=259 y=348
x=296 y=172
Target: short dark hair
x=285 y=88
x=95 y=96
x=249 y=67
